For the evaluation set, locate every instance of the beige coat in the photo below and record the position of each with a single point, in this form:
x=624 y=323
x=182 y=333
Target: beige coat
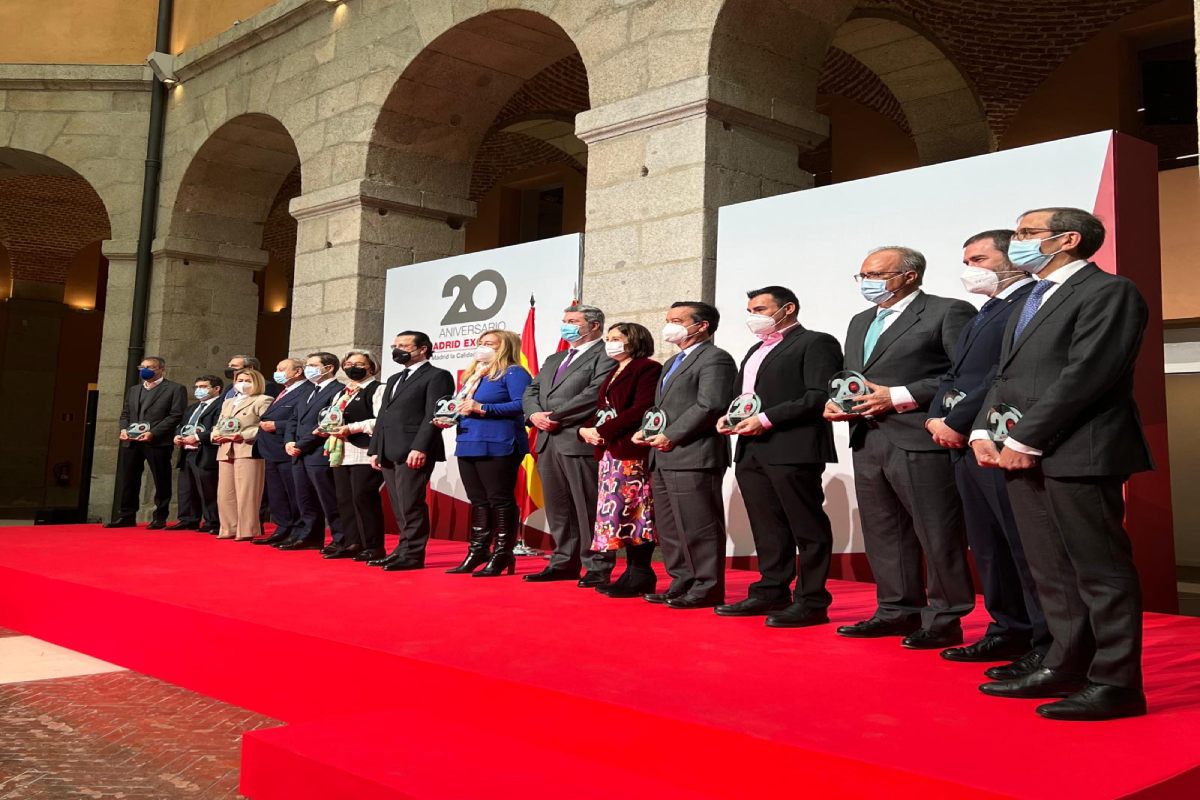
x=248 y=411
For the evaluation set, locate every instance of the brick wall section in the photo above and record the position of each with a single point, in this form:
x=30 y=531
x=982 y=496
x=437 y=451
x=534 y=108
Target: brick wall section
x=504 y=153
x=562 y=86
x=1024 y=43
x=279 y=231
x=845 y=76
x=45 y=220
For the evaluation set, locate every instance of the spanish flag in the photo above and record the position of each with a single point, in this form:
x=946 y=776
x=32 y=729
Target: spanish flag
x=529 y=485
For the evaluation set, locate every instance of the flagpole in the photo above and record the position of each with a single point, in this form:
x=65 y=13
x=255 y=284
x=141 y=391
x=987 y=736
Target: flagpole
x=521 y=548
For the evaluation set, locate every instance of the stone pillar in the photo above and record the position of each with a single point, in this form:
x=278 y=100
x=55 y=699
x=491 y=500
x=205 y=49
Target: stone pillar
x=347 y=238
x=114 y=353
x=659 y=166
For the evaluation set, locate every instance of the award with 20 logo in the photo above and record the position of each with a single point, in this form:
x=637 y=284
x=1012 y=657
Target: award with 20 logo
x=1001 y=419
x=845 y=389
x=743 y=407
x=654 y=422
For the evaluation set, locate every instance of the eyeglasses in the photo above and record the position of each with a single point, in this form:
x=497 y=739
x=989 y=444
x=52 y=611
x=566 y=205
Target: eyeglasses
x=1025 y=234
x=873 y=276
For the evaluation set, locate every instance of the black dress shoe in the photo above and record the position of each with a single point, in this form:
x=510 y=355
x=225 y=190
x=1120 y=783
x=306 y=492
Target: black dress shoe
x=989 y=648
x=1022 y=666
x=155 y=525
x=750 y=607
x=687 y=601
x=332 y=547
x=301 y=545
x=925 y=639
x=402 y=565
x=183 y=526
x=1097 y=702
x=121 y=523
x=1044 y=682
x=552 y=574
x=875 y=628
x=661 y=598
x=797 y=615
x=591 y=580
x=370 y=554
x=340 y=552
x=211 y=529
x=275 y=538
x=381 y=562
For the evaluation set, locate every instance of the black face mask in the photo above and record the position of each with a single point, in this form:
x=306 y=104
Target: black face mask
x=355 y=373
x=229 y=374
x=401 y=356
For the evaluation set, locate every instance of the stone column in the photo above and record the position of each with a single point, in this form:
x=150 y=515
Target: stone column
x=114 y=353
x=659 y=166
x=348 y=236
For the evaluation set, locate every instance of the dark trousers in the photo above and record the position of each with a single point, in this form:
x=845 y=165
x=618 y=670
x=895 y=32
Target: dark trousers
x=1009 y=593
x=689 y=514
x=281 y=496
x=785 y=504
x=197 y=493
x=1082 y=562
x=131 y=461
x=359 y=505
x=909 y=506
x=490 y=480
x=569 y=487
x=408 y=489
x=316 y=496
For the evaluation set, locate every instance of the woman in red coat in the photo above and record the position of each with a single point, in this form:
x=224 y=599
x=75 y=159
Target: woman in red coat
x=625 y=506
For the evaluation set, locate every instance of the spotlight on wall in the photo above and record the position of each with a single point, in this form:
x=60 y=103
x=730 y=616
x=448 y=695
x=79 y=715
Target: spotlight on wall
x=163 y=67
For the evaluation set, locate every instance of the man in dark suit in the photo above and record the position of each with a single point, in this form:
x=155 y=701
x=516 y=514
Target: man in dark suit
x=197 y=459
x=1067 y=368
x=903 y=481
x=561 y=400
x=315 y=492
x=689 y=458
x=1018 y=627
x=280 y=480
x=406 y=445
x=158 y=403
x=781 y=455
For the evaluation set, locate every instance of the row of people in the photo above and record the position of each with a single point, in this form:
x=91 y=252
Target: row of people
x=1046 y=527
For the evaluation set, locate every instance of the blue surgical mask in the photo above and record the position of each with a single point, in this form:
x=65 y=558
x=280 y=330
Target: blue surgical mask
x=311 y=372
x=201 y=394
x=1028 y=254
x=875 y=290
x=280 y=376
x=570 y=332
x=146 y=374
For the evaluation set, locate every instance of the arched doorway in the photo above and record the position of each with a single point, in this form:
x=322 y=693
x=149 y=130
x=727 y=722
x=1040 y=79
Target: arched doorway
x=53 y=279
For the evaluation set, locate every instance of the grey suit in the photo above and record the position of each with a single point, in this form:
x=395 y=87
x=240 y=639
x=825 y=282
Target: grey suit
x=1071 y=375
x=689 y=507
x=567 y=464
x=904 y=483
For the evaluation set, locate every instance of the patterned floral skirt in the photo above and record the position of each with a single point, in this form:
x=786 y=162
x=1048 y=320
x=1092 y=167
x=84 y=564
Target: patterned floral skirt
x=624 y=506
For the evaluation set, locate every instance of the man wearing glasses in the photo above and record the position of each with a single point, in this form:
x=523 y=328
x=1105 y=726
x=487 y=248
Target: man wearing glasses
x=1066 y=367
x=903 y=480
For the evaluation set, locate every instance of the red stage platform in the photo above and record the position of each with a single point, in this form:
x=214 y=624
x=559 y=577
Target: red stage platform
x=425 y=685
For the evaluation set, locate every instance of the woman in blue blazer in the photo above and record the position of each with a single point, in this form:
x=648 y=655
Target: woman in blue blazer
x=492 y=441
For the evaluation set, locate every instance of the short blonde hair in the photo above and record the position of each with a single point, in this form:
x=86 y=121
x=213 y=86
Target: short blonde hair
x=258 y=384
x=507 y=355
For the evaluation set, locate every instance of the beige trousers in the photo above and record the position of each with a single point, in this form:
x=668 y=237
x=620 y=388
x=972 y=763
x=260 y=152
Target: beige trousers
x=239 y=493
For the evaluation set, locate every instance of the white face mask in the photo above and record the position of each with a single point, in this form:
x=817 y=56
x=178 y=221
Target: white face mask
x=614 y=349
x=978 y=280
x=762 y=324
x=674 y=333
x=485 y=354
x=242 y=387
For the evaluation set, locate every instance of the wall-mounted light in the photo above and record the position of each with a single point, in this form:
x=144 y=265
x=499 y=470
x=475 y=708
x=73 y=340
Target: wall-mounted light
x=163 y=67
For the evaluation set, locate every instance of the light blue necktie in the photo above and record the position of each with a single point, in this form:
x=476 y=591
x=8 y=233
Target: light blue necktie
x=674 y=366
x=1032 y=304
x=874 y=332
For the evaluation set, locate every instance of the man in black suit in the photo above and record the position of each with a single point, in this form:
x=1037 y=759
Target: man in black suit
x=159 y=404
x=1067 y=368
x=559 y=401
x=197 y=459
x=406 y=445
x=280 y=481
x=689 y=458
x=781 y=455
x=315 y=492
x=1018 y=627
x=903 y=481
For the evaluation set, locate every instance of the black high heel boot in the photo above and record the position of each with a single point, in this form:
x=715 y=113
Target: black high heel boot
x=480 y=537
x=504 y=521
x=639 y=578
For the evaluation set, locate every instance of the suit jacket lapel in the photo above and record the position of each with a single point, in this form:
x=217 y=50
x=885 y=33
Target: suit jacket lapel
x=971 y=332
x=908 y=317
x=688 y=361
x=789 y=340
x=1050 y=305
x=855 y=335
x=574 y=365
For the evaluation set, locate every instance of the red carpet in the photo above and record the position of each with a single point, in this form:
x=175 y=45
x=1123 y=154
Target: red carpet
x=425 y=685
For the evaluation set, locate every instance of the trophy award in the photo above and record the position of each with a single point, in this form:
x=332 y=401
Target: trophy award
x=743 y=407
x=1001 y=419
x=191 y=430
x=950 y=399
x=137 y=429
x=654 y=422
x=228 y=427
x=604 y=414
x=845 y=388
x=329 y=420
x=448 y=410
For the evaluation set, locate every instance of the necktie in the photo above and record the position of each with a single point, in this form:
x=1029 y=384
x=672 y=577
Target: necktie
x=400 y=382
x=558 y=373
x=983 y=312
x=874 y=332
x=674 y=366
x=196 y=414
x=1032 y=304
